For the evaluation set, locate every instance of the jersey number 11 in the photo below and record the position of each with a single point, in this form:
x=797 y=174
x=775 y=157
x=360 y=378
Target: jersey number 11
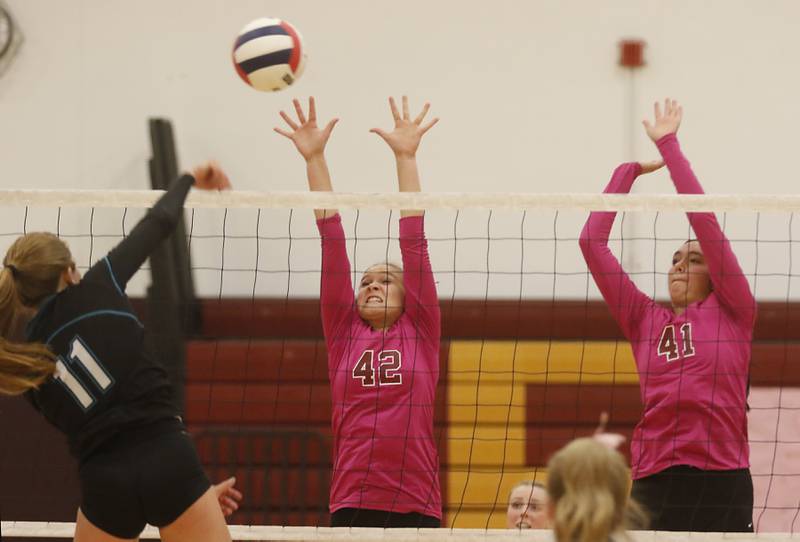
x=81 y=358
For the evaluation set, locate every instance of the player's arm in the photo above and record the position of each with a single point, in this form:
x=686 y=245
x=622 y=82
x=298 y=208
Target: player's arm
x=128 y=256
x=421 y=301
x=310 y=142
x=404 y=141
x=730 y=284
x=336 y=289
x=625 y=301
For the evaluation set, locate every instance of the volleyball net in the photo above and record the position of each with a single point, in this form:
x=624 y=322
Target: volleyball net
x=530 y=355
x=24 y=531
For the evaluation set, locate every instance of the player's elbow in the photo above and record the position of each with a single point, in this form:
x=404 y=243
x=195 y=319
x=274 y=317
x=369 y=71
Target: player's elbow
x=584 y=241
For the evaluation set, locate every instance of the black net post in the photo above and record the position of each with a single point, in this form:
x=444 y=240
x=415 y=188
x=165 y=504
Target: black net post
x=172 y=308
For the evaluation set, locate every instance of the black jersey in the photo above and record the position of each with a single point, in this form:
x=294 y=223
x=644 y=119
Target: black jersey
x=105 y=380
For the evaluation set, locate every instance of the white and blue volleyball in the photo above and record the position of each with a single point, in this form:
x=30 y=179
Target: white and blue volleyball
x=269 y=54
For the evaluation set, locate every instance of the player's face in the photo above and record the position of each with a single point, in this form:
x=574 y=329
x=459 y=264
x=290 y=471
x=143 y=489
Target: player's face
x=381 y=296
x=688 y=277
x=527 y=508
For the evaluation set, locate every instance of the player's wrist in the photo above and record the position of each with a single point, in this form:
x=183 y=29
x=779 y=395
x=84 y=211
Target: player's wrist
x=316 y=157
x=405 y=156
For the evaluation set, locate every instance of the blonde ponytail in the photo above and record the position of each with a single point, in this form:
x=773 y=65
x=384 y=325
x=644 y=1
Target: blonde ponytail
x=24 y=366
x=31 y=272
x=588 y=485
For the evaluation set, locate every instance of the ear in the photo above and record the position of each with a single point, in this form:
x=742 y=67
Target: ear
x=71 y=276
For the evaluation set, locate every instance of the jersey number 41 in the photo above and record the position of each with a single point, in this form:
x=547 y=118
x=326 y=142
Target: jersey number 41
x=668 y=343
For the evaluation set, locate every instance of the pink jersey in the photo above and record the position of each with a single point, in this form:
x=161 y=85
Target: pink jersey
x=693 y=368
x=383 y=384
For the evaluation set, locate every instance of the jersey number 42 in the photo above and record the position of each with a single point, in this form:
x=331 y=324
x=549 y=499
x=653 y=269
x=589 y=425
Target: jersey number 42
x=386 y=374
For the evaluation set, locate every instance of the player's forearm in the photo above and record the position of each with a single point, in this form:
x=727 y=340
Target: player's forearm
x=319 y=180
x=126 y=258
x=680 y=170
x=408 y=180
x=421 y=300
x=598 y=226
x=170 y=205
x=336 y=289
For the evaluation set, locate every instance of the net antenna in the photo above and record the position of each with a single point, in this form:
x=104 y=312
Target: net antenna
x=171 y=299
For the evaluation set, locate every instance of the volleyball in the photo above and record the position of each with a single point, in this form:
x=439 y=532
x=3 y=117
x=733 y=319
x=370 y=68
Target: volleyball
x=268 y=54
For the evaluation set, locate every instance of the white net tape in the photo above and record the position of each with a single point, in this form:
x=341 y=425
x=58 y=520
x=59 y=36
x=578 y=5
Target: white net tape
x=419 y=200
x=28 y=529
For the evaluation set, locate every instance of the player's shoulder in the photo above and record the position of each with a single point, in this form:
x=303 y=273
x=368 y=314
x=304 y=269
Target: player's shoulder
x=102 y=274
x=90 y=295
x=83 y=305
x=651 y=319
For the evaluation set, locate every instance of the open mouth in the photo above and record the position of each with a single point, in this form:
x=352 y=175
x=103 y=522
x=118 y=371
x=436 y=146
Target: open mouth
x=373 y=299
x=523 y=526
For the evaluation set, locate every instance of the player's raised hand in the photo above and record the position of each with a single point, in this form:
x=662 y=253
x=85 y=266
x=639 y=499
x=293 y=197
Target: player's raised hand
x=210 y=176
x=309 y=139
x=666 y=122
x=228 y=496
x=610 y=440
x=407 y=134
x=649 y=167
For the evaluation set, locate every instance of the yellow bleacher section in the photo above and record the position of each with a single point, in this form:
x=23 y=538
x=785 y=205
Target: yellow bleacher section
x=487 y=414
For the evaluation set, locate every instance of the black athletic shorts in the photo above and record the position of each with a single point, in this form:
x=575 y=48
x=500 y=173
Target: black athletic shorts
x=147 y=475
x=684 y=498
x=364 y=517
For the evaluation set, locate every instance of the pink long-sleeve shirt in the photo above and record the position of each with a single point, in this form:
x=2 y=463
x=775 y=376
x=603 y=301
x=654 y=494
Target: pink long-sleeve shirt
x=693 y=368
x=383 y=383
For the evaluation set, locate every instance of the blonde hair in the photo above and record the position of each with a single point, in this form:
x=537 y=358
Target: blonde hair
x=31 y=272
x=391 y=268
x=526 y=483
x=588 y=484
